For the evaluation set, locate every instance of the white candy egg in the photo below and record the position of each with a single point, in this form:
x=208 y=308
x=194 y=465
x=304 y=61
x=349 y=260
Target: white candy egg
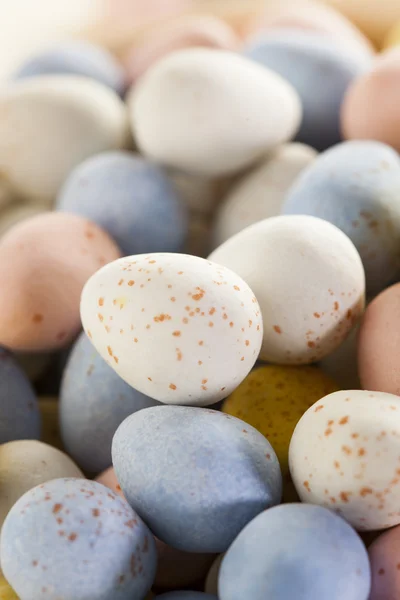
x=211 y=112
x=308 y=278
x=345 y=455
x=178 y=328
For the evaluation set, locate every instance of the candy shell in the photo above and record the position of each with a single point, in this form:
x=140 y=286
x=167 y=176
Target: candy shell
x=384 y=555
x=6 y=591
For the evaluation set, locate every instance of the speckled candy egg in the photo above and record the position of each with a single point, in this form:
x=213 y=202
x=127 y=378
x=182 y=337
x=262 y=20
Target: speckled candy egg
x=344 y=454
x=272 y=399
x=74 y=538
x=303 y=57
x=94 y=400
x=186 y=596
x=177 y=328
x=44 y=263
x=296 y=551
x=309 y=281
x=6 y=591
x=191 y=129
x=131 y=198
x=384 y=555
x=220 y=471
x=356 y=186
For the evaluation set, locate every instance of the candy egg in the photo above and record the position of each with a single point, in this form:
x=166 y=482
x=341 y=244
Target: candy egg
x=309 y=281
x=36 y=114
x=6 y=591
x=302 y=57
x=272 y=399
x=49 y=409
x=384 y=555
x=355 y=186
x=178 y=328
x=201 y=99
x=260 y=194
x=186 y=596
x=94 y=400
x=74 y=538
x=315 y=554
x=130 y=198
x=220 y=471
x=52 y=256
x=344 y=454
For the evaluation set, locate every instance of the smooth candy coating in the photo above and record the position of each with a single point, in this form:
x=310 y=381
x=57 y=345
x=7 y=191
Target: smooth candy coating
x=309 y=281
x=178 y=328
x=186 y=596
x=384 y=556
x=272 y=399
x=130 y=198
x=356 y=186
x=296 y=551
x=49 y=409
x=73 y=538
x=94 y=401
x=220 y=471
x=201 y=98
x=344 y=454
x=303 y=57
x=6 y=591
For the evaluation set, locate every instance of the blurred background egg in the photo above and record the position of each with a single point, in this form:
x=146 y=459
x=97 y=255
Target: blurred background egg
x=384 y=555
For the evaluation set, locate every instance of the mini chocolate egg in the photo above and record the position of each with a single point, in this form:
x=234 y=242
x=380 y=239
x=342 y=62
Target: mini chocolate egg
x=356 y=186
x=341 y=364
x=309 y=280
x=220 y=471
x=296 y=551
x=36 y=114
x=73 y=538
x=303 y=57
x=186 y=596
x=49 y=409
x=6 y=591
x=193 y=131
x=260 y=194
x=130 y=198
x=272 y=399
x=178 y=328
x=211 y=584
x=52 y=255
x=19 y=411
x=384 y=556
x=344 y=455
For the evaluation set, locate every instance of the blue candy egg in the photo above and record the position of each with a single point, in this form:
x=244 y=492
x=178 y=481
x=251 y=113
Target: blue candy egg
x=296 y=551
x=19 y=409
x=186 y=596
x=76 y=58
x=356 y=186
x=94 y=401
x=196 y=476
x=131 y=198
x=75 y=539
x=319 y=69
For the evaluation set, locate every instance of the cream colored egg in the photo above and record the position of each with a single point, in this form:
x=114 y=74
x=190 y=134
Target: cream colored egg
x=308 y=278
x=345 y=455
x=178 y=328
x=50 y=124
x=260 y=193
x=211 y=112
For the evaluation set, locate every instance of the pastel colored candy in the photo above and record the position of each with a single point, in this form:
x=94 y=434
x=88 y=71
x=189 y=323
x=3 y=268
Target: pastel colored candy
x=296 y=551
x=74 y=538
x=130 y=198
x=49 y=409
x=384 y=555
x=355 y=186
x=186 y=596
x=6 y=591
x=220 y=472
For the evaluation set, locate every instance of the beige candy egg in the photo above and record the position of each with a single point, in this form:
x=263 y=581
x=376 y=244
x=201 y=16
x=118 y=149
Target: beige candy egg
x=211 y=112
x=345 y=455
x=50 y=124
x=308 y=278
x=260 y=193
x=178 y=328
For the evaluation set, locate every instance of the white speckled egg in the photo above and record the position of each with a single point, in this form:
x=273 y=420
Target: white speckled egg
x=178 y=328
x=345 y=455
x=309 y=280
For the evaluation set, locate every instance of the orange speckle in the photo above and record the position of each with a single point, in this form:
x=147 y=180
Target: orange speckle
x=247 y=343
x=95 y=512
x=237 y=288
x=37 y=318
x=162 y=317
x=317 y=315
x=307 y=486
x=135 y=340
x=336 y=464
x=361 y=452
x=203 y=387
x=211 y=311
x=100 y=317
x=173 y=299
x=349 y=314
x=222 y=389
x=336 y=306
x=318 y=408
x=109 y=350
x=242 y=359
x=172 y=386
x=328 y=432
x=381 y=572
x=277 y=329
x=201 y=343
x=148 y=326
x=330 y=422
x=211 y=324
x=344 y=496
x=152 y=262
x=185 y=320
x=176 y=333
x=225 y=316
x=311 y=344
x=204 y=381
x=150 y=379
x=344 y=420
x=199 y=295
x=199 y=363
x=365 y=491
x=131 y=282
x=121 y=281
x=355 y=435
x=116 y=359
x=57 y=508
x=72 y=537
x=101 y=301
x=89 y=333
x=169 y=286
x=231 y=324
x=346 y=450
x=178 y=354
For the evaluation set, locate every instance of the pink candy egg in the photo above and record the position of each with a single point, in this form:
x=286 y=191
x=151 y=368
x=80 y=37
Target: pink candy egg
x=384 y=556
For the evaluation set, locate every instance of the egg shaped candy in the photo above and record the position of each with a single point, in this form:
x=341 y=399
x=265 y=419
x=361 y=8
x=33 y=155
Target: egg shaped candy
x=178 y=328
x=74 y=538
x=384 y=555
x=130 y=198
x=303 y=57
x=315 y=554
x=191 y=129
x=6 y=591
x=220 y=472
x=186 y=596
x=309 y=281
x=55 y=121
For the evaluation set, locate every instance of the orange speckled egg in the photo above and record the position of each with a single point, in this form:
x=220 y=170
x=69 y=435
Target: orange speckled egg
x=384 y=556
x=44 y=264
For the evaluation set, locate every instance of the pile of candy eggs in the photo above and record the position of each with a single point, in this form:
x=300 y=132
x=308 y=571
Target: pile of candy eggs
x=199 y=310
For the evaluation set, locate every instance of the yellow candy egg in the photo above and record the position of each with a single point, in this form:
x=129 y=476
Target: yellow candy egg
x=274 y=398
x=6 y=591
